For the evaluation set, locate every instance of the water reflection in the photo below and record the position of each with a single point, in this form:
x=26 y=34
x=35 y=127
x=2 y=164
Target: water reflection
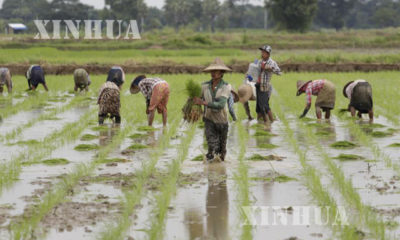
x=216 y=223
x=106 y=135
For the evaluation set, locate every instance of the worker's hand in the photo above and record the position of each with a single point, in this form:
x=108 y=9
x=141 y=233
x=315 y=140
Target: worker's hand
x=198 y=101
x=268 y=68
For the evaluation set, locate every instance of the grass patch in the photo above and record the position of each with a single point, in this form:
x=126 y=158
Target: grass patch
x=89 y=137
x=283 y=179
x=380 y=134
x=111 y=160
x=395 y=145
x=267 y=146
x=198 y=158
x=27 y=142
x=86 y=147
x=324 y=133
x=137 y=147
x=55 y=162
x=349 y=157
x=100 y=128
x=343 y=145
x=146 y=129
x=258 y=157
x=260 y=133
x=137 y=135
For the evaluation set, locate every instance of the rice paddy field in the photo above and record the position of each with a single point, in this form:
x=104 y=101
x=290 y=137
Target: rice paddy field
x=64 y=177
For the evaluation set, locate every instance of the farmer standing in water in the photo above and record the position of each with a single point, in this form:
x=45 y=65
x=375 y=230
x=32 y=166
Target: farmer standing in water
x=109 y=96
x=5 y=79
x=359 y=93
x=263 y=86
x=156 y=93
x=326 y=96
x=82 y=80
x=215 y=94
x=35 y=76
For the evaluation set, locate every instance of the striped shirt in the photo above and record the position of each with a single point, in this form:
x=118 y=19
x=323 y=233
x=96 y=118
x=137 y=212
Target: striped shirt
x=146 y=86
x=265 y=76
x=313 y=88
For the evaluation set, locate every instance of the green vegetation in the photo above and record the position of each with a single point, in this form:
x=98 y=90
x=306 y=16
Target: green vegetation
x=343 y=145
x=267 y=145
x=86 y=147
x=137 y=147
x=198 y=158
x=349 y=157
x=55 y=161
x=89 y=137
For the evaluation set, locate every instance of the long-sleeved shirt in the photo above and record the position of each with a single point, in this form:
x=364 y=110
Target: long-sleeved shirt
x=313 y=88
x=265 y=76
x=146 y=86
x=231 y=108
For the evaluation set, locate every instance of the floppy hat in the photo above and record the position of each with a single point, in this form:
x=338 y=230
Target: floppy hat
x=300 y=85
x=218 y=64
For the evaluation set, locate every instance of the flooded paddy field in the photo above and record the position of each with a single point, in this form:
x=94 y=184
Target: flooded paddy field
x=62 y=176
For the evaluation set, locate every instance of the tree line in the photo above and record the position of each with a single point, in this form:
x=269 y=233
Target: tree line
x=210 y=15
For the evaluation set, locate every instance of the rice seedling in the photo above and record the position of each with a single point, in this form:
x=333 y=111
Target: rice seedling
x=260 y=133
x=258 y=157
x=380 y=134
x=199 y=158
x=349 y=157
x=343 y=145
x=191 y=111
x=283 y=179
x=137 y=147
x=89 y=137
x=394 y=145
x=146 y=129
x=137 y=135
x=163 y=198
x=133 y=196
x=86 y=147
x=267 y=146
x=55 y=161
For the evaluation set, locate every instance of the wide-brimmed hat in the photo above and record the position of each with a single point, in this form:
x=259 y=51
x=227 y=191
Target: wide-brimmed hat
x=300 y=85
x=245 y=93
x=218 y=64
x=345 y=87
x=266 y=48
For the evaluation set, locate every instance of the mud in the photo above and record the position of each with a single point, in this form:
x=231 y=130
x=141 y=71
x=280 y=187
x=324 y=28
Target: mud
x=176 y=68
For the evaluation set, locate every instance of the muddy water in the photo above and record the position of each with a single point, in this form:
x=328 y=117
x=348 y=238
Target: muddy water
x=206 y=207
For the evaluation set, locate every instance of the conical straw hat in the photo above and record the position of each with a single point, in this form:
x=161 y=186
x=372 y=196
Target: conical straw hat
x=218 y=64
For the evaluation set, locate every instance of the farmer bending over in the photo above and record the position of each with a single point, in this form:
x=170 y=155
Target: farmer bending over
x=109 y=96
x=359 y=93
x=156 y=92
x=263 y=86
x=326 y=96
x=82 y=80
x=35 y=76
x=5 y=79
x=215 y=94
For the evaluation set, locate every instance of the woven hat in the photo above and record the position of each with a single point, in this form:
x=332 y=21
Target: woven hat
x=218 y=64
x=300 y=85
x=345 y=87
x=245 y=92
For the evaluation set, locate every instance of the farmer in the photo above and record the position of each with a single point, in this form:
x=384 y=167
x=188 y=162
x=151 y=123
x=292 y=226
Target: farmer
x=326 y=96
x=215 y=94
x=359 y=93
x=81 y=79
x=267 y=67
x=109 y=96
x=156 y=92
x=5 y=79
x=35 y=76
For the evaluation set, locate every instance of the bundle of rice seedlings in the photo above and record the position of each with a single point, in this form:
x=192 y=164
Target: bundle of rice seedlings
x=192 y=112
